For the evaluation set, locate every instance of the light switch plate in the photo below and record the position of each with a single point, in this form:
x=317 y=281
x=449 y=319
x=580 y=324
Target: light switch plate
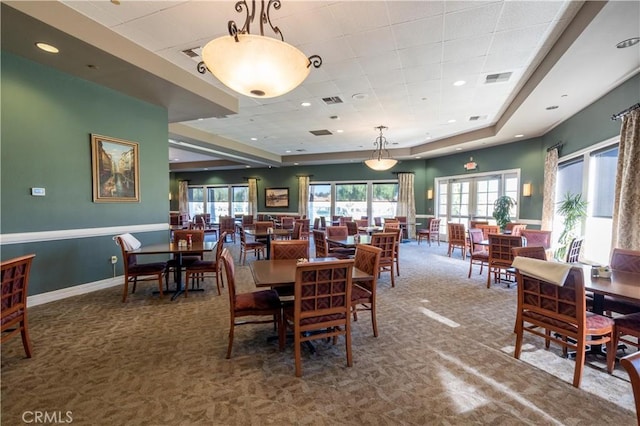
x=37 y=192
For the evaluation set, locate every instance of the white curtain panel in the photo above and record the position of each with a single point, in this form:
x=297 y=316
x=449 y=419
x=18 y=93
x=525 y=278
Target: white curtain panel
x=183 y=197
x=407 y=201
x=549 y=194
x=626 y=226
x=303 y=195
x=253 y=197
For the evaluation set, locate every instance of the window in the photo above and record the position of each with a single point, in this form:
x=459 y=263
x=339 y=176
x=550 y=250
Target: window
x=240 y=203
x=592 y=173
x=385 y=199
x=218 y=204
x=319 y=201
x=218 y=200
x=463 y=198
x=351 y=199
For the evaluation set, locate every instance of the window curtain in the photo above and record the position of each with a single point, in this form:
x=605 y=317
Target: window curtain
x=303 y=196
x=183 y=197
x=407 y=201
x=549 y=193
x=626 y=226
x=253 y=197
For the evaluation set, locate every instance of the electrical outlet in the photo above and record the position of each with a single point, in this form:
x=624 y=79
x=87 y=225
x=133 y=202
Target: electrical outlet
x=114 y=259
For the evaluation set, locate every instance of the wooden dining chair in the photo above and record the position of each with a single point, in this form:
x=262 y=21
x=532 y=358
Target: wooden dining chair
x=396 y=250
x=135 y=272
x=289 y=249
x=228 y=225
x=197 y=236
x=14 y=278
x=386 y=241
x=626 y=261
x=478 y=254
x=321 y=308
x=197 y=271
x=457 y=239
x=573 y=251
x=488 y=229
x=501 y=256
x=537 y=237
x=431 y=233
x=296 y=234
x=631 y=364
x=534 y=252
x=558 y=314
x=475 y=223
x=320 y=243
x=363 y=293
x=262 y=303
x=255 y=247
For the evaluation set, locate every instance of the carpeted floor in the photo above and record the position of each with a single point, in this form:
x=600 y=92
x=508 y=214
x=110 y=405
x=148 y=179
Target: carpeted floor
x=444 y=356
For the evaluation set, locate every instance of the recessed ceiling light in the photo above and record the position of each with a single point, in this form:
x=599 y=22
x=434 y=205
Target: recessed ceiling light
x=458 y=149
x=306 y=104
x=549 y=108
x=47 y=47
x=254 y=139
x=360 y=96
x=295 y=164
x=518 y=136
x=460 y=83
x=176 y=159
x=417 y=158
x=628 y=42
x=200 y=119
x=248 y=167
x=206 y=168
x=339 y=131
x=452 y=120
x=287 y=151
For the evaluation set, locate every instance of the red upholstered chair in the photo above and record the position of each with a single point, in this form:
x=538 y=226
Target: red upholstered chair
x=304 y=228
x=479 y=255
x=363 y=293
x=517 y=229
x=15 y=286
x=631 y=363
x=536 y=237
x=135 y=272
x=322 y=304
x=320 y=242
x=352 y=228
x=256 y=304
x=228 y=225
x=627 y=326
x=558 y=313
x=535 y=252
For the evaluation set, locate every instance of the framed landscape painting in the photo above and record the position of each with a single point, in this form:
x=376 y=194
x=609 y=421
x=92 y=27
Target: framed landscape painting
x=277 y=197
x=115 y=170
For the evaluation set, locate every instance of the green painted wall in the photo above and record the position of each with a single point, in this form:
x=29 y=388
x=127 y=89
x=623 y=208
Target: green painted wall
x=47 y=118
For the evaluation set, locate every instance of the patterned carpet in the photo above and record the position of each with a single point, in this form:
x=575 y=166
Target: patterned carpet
x=444 y=356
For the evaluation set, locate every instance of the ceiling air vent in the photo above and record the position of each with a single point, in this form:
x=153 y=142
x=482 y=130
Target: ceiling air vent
x=477 y=117
x=320 y=132
x=498 y=78
x=332 y=100
x=191 y=52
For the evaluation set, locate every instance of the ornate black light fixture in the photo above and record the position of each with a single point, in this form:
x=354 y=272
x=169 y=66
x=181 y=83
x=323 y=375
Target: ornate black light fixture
x=381 y=160
x=256 y=65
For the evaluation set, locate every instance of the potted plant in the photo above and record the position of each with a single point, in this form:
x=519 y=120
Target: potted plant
x=502 y=209
x=573 y=209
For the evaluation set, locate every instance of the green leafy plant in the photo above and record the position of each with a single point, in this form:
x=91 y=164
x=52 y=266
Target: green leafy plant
x=502 y=210
x=573 y=209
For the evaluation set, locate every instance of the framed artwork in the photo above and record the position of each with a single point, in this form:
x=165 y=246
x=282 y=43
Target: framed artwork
x=276 y=197
x=115 y=170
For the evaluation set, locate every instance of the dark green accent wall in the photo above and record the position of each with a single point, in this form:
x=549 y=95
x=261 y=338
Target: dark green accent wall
x=47 y=118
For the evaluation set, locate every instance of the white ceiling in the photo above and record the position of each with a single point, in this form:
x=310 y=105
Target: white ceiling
x=392 y=63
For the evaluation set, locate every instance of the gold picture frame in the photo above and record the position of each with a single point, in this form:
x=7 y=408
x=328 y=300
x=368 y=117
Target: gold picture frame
x=115 y=168
x=276 y=197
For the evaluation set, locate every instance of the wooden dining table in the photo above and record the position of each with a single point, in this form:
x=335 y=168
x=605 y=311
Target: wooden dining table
x=349 y=242
x=282 y=272
x=268 y=236
x=622 y=284
x=177 y=251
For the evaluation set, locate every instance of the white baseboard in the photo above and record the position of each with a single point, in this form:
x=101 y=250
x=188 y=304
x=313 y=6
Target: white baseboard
x=63 y=293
